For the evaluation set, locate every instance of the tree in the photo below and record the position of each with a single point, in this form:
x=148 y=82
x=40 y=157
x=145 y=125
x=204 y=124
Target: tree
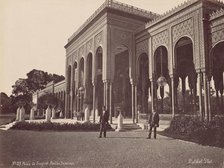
x=36 y=79
x=4 y=103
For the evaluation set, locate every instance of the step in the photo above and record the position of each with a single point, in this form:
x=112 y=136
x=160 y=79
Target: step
x=127 y=127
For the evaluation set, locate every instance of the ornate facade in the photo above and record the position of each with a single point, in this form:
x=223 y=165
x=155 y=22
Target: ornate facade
x=116 y=57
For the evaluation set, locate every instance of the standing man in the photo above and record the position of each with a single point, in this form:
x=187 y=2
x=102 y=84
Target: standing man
x=154 y=123
x=104 y=117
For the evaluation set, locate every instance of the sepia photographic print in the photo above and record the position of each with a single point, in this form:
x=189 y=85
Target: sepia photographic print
x=112 y=83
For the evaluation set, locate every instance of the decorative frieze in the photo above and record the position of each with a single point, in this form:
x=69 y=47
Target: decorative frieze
x=69 y=60
x=184 y=28
x=98 y=39
x=160 y=39
x=217 y=22
x=218 y=27
x=89 y=45
x=81 y=51
x=217 y=36
x=141 y=48
x=121 y=37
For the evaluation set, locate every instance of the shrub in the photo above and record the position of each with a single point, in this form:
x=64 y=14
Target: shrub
x=191 y=127
x=87 y=126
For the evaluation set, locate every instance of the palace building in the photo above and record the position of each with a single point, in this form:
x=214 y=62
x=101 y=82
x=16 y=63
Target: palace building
x=122 y=57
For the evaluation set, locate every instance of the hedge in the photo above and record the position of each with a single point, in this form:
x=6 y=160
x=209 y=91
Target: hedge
x=193 y=128
x=87 y=126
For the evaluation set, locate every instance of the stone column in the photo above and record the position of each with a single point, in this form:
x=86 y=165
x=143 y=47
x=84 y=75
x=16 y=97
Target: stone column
x=205 y=95
x=152 y=94
x=71 y=104
x=173 y=96
x=94 y=102
x=136 y=104
x=133 y=101
x=209 y=101
x=200 y=95
x=111 y=105
x=106 y=94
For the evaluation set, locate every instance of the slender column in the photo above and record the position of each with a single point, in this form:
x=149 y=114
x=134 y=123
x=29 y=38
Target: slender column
x=200 y=96
x=152 y=94
x=106 y=94
x=205 y=95
x=183 y=91
x=71 y=103
x=94 y=102
x=136 y=102
x=221 y=111
x=173 y=96
x=133 y=102
x=110 y=99
x=209 y=102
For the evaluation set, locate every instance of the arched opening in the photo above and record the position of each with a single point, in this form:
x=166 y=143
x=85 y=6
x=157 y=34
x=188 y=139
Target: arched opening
x=163 y=104
x=89 y=87
x=68 y=89
x=186 y=74
x=218 y=75
x=81 y=72
x=99 y=77
x=74 y=88
x=143 y=83
x=122 y=87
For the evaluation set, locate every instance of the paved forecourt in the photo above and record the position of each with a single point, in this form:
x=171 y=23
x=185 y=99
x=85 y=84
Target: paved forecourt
x=119 y=149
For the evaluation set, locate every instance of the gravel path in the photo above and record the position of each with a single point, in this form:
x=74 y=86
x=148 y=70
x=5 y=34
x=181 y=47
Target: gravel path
x=119 y=149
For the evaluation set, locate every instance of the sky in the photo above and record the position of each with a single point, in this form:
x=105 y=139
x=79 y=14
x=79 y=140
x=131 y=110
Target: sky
x=33 y=33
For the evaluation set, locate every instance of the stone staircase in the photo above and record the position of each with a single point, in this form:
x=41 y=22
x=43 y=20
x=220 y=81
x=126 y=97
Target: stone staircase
x=163 y=124
x=7 y=126
x=128 y=127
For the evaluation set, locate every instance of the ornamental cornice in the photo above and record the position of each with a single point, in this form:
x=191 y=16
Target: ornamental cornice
x=173 y=11
x=216 y=14
x=179 y=17
x=117 y=6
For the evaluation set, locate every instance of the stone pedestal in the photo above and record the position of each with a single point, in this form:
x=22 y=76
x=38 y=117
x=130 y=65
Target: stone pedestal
x=61 y=114
x=48 y=114
x=22 y=114
x=32 y=114
x=17 y=114
x=53 y=113
x=97 y=115
x=87 y=111
x=119 y=123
